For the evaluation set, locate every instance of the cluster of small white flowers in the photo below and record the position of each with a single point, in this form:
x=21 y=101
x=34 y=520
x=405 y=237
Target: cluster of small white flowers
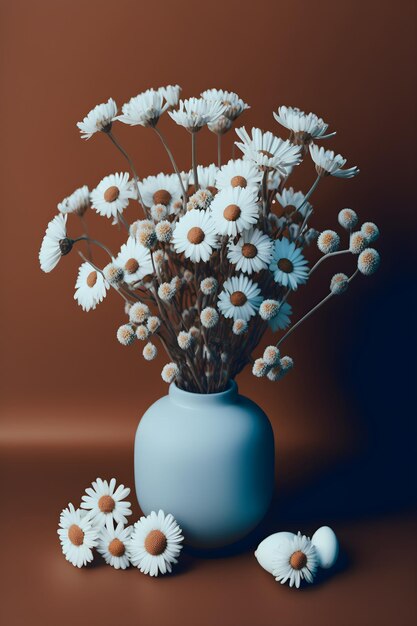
x=221 y=248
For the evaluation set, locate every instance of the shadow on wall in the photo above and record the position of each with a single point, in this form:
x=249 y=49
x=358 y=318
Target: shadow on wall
x=379 y=373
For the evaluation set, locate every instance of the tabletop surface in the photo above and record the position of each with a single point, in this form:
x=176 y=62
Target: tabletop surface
x=373 y=584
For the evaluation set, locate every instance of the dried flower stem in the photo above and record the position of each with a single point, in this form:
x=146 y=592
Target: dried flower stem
x=132 y=168
x=174 y=165
x=327 y=256
x=194 y=160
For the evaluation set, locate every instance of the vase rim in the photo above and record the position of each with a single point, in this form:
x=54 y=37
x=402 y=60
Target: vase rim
x=188 y=398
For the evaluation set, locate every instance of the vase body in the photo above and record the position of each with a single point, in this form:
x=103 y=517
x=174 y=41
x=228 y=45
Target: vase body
x=209 y=460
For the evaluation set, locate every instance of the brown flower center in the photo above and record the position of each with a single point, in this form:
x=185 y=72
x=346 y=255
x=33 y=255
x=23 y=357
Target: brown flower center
x=116 y=547
x=232 y=212
x=92 y=279
x=266 y=153
x=249 y=250
x=155 y=542
x=111 y=194
x=212 y=190
x=238 y=181
x=106 y=504
x=195 y=235
x=131 y=266
x=285 y=265
x=162 y=196
x=75 y=535
x=298 y=560
x=238 y=298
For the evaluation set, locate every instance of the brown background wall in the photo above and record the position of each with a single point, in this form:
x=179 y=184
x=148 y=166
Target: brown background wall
x=65 y=379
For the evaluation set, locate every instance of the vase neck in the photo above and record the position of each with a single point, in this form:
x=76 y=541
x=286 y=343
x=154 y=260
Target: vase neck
x=195 y=400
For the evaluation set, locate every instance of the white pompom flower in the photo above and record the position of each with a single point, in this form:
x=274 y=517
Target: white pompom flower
x=112 y=194
x=328 y=241
x=339 y=283
x=126 y=335
x=149 y=352
x=259 y=368
x=98 y=119
x=139 y=313
x=348 y=218
x=271 y=355
x=368 y=261
x=78 y=535
x=357 y=242
x=209 y=317
x=105 y=502
x=371 y=231
x=155 y=544
x=169 y=372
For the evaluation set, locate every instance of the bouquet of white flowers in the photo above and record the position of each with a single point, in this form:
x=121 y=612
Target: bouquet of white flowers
x=218 y=250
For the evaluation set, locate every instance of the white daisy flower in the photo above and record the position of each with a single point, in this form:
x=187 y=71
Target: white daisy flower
x=268 y=151
x=195 y=235
x=206 y=177
x=288 y=264
x=171 y=94
x=98 y=119
x=135 y=261
x=112 y=195
x=304 y=126
x=296 y=560
x=235 y=209
x=252 y=252
x=240 y=298
x=78 y=202
x=145 y=109
x=195 y=113
x=91 y=287
x=238 y=173
x=329 y=164
x=77 y=535
x=155 y=543
x=234 y=105
x=114 y=544
x=161 y=189
x=105 y=502
x=55 y=243
x=282 y=319
x=291 y=200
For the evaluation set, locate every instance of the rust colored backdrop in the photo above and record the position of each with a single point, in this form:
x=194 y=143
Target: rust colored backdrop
x=343 y=428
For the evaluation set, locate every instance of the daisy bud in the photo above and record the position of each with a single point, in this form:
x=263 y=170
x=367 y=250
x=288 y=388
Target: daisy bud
x=259 y=368
x=286 y=364
x=368 y=261
x=209 y=286
x=358 y=242
x=371 y=231
x=158 y=257
x=347 y=218
x=209 y=317
x=169 y=372
x=65 y=245
x=185 y=340
x=163 y=231
x=275 y=373
x=113 y=274
x=339 y=283
x=328 y=241
x=146 y=237
x=239 y=327
x=166 y=292
x=149 y=352
x=194 y=332
x=268 y=309
x=311 y=236
x=125 y=335
x=176 y=283
x=271 y=355
x=159 y=212
x=142 y=333
x=138 y=313
x=188 y=276
x=153 y=324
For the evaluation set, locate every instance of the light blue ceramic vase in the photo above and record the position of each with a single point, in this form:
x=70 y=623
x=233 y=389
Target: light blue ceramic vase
x=209 y=460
